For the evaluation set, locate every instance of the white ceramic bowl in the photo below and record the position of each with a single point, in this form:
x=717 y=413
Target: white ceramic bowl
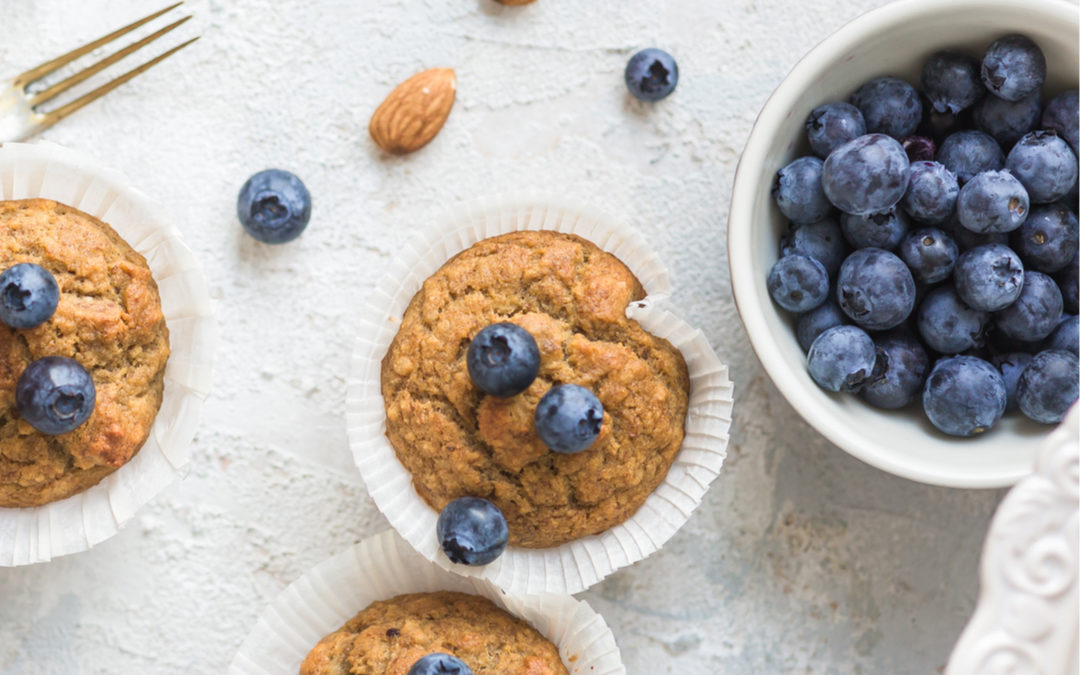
x=892 y=40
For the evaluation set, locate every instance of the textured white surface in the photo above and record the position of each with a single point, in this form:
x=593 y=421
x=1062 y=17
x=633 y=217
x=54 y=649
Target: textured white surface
x=801 y=558
x=1027 y=615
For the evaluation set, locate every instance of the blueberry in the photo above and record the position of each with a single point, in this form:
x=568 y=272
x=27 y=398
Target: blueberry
x=798 y=191
x=949 y=326
x=1007 y=121
x=875 y=289
x=1044 y=164
x=28 y=295
x=989 y=277
x=964 y=396
x=55 y=395
x=841 y=358
x=1066 y=336
x=831 y=125
x=992 y=201
x=274 y=206
x=1037 y=311
x=823 y=241
x=951 y=81
x=866 y=175
x=889 y=105
x=1013 y=67
x=919 y=148
x=1011 y=365
x=1047 y=241
x=817 y=321
x=472 y=531
x=1061 y=114
x=651 y=74
x=969 y=152
x=798 y=283
x=503 y=359
x=440 y=664
x=568 y=418
x=930 y=254
x=1068 y=282
x=1048 y=386
x=931 y=192
x=904 y=365
x=879 y=230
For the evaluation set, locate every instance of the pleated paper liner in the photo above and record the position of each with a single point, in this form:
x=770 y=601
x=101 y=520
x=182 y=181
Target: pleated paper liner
x=577 y=565
x=45 y=170
x=384 y=566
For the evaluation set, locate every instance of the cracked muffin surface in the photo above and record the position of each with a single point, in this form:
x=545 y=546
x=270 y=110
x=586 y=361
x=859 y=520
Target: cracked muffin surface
x=109 y=319
x=389 y=636
x=457 y=441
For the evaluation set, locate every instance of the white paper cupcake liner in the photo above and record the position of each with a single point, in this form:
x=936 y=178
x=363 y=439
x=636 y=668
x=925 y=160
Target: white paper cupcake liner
x=38 y=534
x=577 y=565
x=384 y=566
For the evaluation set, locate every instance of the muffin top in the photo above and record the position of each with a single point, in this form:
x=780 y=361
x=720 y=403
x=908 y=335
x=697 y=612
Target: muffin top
x=108 y=319
x=457 y=441
x=389 y=636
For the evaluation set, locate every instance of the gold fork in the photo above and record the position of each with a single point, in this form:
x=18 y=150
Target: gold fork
x=19 y=117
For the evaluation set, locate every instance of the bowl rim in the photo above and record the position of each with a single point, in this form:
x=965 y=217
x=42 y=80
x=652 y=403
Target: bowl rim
x=749 y=302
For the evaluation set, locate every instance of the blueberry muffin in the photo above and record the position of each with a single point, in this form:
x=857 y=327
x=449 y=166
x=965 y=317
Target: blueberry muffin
x=389 y=636
x=457 y=441
x=108 y=319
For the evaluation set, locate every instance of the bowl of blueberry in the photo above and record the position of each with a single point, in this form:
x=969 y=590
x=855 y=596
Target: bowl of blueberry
x=903 y=236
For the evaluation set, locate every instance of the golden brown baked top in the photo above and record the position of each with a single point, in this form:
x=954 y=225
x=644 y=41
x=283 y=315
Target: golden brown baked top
x=391 y=635
x=108 y=319
x=456 y=441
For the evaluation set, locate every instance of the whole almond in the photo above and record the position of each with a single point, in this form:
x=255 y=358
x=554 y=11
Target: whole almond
x=414 y=112
x=514 y=2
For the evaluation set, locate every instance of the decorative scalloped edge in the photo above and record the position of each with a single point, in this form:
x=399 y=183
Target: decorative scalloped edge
x=1028 y=614
x=579 y=564
x=383 y=566
x=39 y=534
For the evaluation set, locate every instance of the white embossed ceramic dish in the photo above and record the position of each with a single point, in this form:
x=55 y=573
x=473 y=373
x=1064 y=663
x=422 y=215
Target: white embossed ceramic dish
x=576 y=565
x=1027 y=619
x=384 y=566
x=894 y=39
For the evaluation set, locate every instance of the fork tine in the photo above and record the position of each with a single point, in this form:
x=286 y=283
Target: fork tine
x=86 y=73
x=54 y=116
x=60 y=61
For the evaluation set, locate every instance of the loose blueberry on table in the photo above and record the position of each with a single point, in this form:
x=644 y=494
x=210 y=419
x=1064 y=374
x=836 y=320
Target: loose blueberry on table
x=955 y=204
x=28 y=295
x=568 y=418
x=274 y=206
x=472 y=531
x=55 y=395
x=503 y=359
x=439 y=663
x=651 y=74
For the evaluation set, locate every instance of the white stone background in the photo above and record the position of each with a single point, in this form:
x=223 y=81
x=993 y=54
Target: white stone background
x=801 y=559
